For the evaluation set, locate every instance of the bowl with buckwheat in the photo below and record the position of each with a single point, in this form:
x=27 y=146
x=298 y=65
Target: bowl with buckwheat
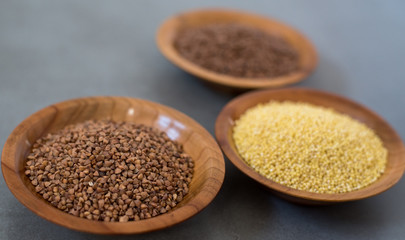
x=112 y=165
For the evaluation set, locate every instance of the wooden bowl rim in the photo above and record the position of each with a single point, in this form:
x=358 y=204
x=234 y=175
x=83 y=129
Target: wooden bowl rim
x=195 y=204
x=225 y=121
x=168 y=50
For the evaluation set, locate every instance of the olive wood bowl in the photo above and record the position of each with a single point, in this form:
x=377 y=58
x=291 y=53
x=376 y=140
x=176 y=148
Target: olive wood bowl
x=209 y=166
x=169 y=30
x=396 y=151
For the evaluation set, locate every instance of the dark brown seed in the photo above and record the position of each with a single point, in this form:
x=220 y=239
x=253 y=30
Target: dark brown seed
x=124 y=219
x=38 y=188
x=129 y=212
x=137 y=203
x=101 y=203
x=144 y=194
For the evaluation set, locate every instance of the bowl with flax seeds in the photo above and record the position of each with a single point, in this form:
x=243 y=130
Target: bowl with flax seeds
x=236 y=49
x=310 y=146
x=112 y=165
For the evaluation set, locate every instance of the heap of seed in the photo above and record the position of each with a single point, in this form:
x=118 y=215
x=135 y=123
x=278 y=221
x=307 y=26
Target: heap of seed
x=110 y=171
x=309 y=148
x=237 y=50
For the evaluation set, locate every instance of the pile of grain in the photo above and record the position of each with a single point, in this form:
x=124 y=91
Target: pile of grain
x=309 y=148
x=110 y=171
x=237 y=50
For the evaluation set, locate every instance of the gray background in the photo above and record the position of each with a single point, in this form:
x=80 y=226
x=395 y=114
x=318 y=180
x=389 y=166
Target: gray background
x=56 y=50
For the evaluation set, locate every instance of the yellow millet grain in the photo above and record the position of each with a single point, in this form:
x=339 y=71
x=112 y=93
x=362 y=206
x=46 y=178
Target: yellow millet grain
x=309 y=148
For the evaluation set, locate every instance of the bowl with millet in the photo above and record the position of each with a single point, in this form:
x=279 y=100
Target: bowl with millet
x=310 y=146
x=112 y=165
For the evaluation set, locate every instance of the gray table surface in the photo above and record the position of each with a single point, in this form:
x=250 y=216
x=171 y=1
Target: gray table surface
x=56 y=50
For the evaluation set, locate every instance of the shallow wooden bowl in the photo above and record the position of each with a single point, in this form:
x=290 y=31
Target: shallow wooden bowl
x=209 y=167
x=396 y=151
x=169 y=30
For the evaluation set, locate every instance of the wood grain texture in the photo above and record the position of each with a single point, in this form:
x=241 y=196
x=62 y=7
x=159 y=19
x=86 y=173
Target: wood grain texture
x=209 y=167
x=396 y=151
x=170 y=28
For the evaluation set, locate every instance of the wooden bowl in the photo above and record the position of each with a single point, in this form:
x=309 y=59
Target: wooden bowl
x=168 y=31
x=209 y=164
x=396 y=151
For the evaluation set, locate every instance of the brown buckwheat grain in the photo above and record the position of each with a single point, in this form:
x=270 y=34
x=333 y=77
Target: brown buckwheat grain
x=237 y=50
x=110 y=171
